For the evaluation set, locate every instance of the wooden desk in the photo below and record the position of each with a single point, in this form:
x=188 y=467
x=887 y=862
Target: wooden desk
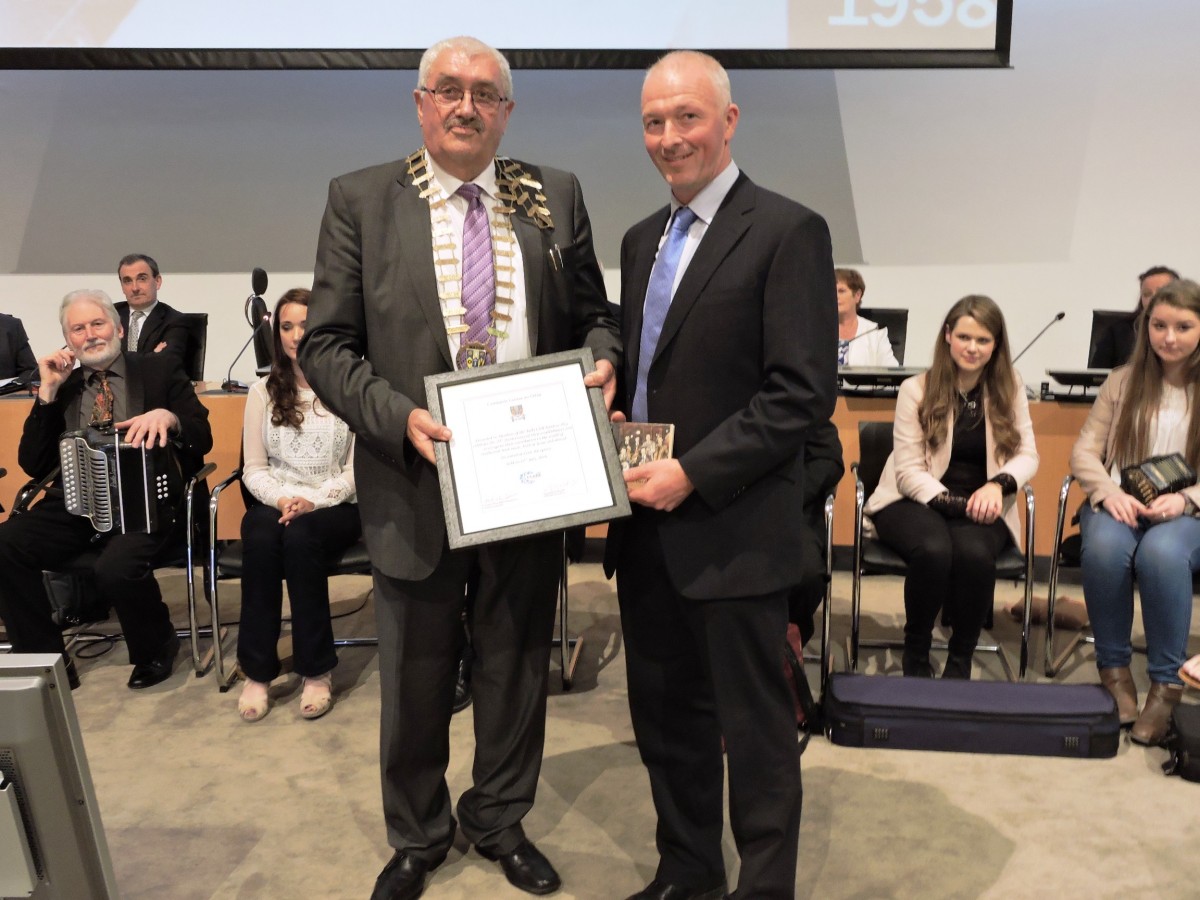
x=1055 y=426
x=224 y=415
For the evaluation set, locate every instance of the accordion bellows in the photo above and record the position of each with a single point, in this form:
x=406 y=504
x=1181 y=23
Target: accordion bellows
x=1157 y=475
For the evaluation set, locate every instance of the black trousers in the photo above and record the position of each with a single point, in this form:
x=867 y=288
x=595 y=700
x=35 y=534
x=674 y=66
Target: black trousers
x=420 y=639
x=951 y=564
x=700 y=671
x=300 y=553
x=47 y=537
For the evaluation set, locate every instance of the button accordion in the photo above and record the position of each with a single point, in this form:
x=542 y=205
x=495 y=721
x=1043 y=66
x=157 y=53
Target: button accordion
x=119 y=487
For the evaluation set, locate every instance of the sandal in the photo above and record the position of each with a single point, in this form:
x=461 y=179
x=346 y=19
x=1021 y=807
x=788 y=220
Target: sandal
x=254 y=702
x=317 y=696
x=1189 y=672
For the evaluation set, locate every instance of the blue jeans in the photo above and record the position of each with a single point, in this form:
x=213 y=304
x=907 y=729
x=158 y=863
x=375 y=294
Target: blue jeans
x=1164 y=557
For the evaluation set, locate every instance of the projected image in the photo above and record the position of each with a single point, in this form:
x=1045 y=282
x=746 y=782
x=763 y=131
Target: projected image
x=533 y=25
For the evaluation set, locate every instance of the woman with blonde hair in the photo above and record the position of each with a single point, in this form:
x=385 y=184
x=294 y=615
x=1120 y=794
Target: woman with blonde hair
x=963 y=447
x=1146 y=408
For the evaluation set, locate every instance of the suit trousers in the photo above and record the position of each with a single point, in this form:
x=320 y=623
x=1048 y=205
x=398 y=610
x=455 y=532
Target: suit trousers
x=700 y=670
x=420 y=640
x=46 y=537
x=299 y=552
x=951 y=564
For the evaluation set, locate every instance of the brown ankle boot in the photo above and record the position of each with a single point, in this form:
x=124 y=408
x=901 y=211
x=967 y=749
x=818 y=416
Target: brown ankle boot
x=1119 y=682
x=1151 y=726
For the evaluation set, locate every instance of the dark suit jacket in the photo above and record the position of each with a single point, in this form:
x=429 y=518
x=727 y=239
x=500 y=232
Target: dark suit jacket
x=375 y=330
x=16 y=356
x=155 y=382
x=163 y=324
x=746 y=365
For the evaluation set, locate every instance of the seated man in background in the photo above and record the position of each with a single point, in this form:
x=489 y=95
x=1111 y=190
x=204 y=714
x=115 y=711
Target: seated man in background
x=150 y=325
x=151 y=398
x=1116 y=343
x=16 y=356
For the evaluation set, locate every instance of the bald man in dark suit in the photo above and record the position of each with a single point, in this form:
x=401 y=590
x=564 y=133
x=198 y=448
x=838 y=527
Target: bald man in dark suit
x=728 y=317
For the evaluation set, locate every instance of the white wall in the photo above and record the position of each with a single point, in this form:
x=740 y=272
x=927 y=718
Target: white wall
x=1048 y=186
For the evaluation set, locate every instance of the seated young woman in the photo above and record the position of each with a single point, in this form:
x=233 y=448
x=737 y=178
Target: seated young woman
x=297 y=465
x=1146 y=408
x=963 y=448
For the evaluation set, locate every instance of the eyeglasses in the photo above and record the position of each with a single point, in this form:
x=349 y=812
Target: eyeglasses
x=450 y=95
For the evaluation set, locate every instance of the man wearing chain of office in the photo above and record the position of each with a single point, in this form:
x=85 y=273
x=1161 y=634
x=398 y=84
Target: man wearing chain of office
x=450 y=259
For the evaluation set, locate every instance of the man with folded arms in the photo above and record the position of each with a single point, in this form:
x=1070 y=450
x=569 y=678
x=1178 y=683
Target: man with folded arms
x=150 y=325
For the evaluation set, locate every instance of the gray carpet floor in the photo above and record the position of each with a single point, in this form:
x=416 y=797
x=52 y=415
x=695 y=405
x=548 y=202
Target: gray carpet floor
x=197 y=804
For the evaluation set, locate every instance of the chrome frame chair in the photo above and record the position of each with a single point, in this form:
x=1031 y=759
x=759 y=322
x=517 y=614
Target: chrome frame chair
x=81 y=564
x=825 y=656
x=569 y=647
x=872 y=557
x=1054 y=662
x=226 y=562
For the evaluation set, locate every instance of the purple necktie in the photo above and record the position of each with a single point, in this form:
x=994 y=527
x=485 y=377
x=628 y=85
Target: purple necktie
x=478 y=270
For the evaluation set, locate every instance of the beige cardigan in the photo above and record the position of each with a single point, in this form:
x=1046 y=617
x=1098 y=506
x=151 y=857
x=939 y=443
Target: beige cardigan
x=1091 y=458
x=913 y=471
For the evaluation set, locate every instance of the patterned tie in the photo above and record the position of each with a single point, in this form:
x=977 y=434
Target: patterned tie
x=135 y=329
x=658 y=301
x=478 y=270
x=102 y=409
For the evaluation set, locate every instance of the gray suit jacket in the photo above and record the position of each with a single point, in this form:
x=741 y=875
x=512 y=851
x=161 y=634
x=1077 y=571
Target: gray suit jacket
x=375 y=330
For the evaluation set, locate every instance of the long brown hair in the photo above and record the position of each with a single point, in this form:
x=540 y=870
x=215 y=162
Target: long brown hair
x=999 y=382
x=1143 y=387
x=281 y=383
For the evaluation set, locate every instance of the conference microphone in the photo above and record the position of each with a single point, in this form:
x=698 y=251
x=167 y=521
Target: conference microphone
x=258 y=286
x=1037 y=336
x=255 y=311
x=865 y=333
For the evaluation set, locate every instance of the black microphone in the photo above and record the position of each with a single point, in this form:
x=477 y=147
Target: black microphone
x=236 y=387
x=251 y=310
x=865 y=333
x=255 y=311
x=1038 y=335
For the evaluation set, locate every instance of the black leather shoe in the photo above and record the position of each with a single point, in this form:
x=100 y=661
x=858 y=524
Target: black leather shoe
x=462 y=689
x=72 y=675
x=958 y=665
x=666 y=890
x=526 y=868
x=158 y=669
x=403 y=878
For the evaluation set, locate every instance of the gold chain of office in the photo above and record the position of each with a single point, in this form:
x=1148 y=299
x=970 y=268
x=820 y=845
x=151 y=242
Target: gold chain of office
x=514 y=188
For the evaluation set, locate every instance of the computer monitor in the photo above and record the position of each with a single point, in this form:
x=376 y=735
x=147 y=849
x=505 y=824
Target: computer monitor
x=896 y=323
x=1102 y=321
x=52 y=844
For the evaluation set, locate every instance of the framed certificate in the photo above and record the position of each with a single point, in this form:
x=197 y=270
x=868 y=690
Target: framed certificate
x=532 y=449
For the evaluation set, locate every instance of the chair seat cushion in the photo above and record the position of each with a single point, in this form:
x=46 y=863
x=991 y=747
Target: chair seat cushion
x=879 y=559
x=351 y=561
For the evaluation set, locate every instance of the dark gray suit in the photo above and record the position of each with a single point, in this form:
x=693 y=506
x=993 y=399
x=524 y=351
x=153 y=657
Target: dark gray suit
x=745 y=368
x=16 y=356
x=375 y=330
x=163 y=325
x=47 y=534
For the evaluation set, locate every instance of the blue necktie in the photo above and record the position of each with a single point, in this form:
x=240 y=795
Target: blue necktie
x=658 y=301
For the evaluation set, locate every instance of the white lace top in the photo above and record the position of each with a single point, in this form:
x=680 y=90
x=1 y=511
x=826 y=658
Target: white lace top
x=313 y=461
